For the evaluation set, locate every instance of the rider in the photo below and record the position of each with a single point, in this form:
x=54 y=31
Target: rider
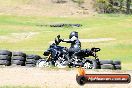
x=75 y=43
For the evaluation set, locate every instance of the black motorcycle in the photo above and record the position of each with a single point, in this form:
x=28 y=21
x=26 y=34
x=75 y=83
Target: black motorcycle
x=60 y=56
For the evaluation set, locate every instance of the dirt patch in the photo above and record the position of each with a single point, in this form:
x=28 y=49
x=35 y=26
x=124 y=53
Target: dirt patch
x=15 y=37
x=47 y=8
x=48 y=78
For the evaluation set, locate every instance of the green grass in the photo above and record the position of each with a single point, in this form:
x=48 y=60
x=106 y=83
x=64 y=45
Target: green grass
x=101 y=26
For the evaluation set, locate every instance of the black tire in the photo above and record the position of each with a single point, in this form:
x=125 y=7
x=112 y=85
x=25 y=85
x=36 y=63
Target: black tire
x=107 y=66
x=117 y=62
x=5 y=62
x=106 y=62
x=36 y=57
x=93 y=62
x=76 y=25
x=5 y=57
x=117 y=67
x=95 y=65
x=81 y=80
x=19 y=54
x=18 y=58
x=30 y=65
x=5 y=52
x=57 y=25
x=31 y=61
x=18 y=62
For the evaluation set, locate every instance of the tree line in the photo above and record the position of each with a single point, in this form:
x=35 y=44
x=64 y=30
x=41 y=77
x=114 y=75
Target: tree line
x=114 y=6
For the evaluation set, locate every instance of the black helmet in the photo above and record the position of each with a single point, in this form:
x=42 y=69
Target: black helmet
x=74 y=33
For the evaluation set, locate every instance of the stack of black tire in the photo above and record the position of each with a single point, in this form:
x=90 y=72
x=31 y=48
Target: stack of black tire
x=117 y=65
x=18 y=58
x=5 y=57
x=31 y=60
x=65 y=25
x=109 y=64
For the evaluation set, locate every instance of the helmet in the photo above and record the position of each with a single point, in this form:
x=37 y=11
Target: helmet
x=74 y=33
x=73 y=38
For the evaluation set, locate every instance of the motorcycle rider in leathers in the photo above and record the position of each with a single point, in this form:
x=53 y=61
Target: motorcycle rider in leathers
x=75 y=43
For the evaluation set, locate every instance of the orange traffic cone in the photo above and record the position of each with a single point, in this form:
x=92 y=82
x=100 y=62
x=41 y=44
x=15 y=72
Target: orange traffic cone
x=81 y=71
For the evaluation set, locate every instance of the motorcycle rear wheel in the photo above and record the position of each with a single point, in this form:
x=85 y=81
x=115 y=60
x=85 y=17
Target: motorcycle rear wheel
x=91 y=64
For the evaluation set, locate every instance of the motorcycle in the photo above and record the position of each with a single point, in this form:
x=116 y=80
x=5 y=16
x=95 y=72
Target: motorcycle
x=60 y=56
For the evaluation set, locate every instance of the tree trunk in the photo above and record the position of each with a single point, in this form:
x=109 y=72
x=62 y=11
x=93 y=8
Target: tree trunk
x=128 y=6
